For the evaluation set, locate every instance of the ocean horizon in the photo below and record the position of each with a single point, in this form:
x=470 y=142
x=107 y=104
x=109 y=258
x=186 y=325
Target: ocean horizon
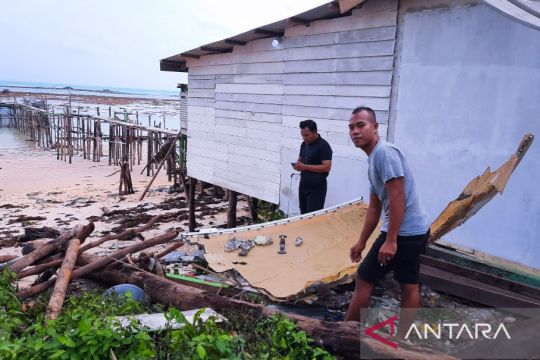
x=60 y=88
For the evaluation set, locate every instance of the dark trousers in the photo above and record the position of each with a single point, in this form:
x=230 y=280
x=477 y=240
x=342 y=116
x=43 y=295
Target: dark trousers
x=311 y=198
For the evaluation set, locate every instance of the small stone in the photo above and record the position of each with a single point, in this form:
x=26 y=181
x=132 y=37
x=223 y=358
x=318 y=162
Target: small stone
x=262 y=240
x=298 y=241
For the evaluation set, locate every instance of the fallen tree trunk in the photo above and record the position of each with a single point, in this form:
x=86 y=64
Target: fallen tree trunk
x=340 y=338
x=62 y=280
x=170 y=249
x=38 y=269
x=56 y=261
x=100 y=263
x=81 y=232
x=6 y=258
x=123 y=234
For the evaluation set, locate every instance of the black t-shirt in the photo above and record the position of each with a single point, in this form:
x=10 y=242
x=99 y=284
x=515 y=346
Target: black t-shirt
x=314 y=154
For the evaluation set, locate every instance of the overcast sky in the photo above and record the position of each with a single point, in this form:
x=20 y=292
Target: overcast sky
x=118 y=43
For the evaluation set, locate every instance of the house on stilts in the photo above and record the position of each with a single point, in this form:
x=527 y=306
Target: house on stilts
x=455 y=84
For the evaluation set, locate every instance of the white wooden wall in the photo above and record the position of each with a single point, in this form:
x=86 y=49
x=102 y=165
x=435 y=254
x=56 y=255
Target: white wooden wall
x=244 y=107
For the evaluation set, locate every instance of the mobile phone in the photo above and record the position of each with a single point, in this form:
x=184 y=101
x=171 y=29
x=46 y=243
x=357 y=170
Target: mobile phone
x=293 y=163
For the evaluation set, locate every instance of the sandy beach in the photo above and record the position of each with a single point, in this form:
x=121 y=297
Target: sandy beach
x=37 y=190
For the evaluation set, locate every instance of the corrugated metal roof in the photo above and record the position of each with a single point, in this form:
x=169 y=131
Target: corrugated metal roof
x=178 y=62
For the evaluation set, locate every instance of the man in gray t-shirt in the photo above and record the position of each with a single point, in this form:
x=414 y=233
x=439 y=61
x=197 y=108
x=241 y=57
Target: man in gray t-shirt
x=405 y=228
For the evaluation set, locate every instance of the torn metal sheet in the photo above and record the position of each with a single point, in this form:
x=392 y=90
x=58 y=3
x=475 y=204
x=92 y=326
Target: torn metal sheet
x=322 y=258
x=478 y=193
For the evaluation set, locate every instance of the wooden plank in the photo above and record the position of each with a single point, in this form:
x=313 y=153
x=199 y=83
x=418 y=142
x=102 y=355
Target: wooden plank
x=250 y=116
x=205 y=144
x=249 y=165
x=240 y=68
x=342 y=78
x=201 y=127
x=201 y=77
x=252 y=143
x=322 y=124
x=291 y=130
x=274 y=55
x=338 y=90
x=201 y=110
x=261 y=135
x=328 y=113
x=231 y=122
x=207 y=120
x=451 y=255
x=340 y=65
x=203 y=102
x=253 y=79
x=262 y=89
x=339 y=138
x=474 y=290
x=199 y=160
x=201 y=133
x=203 y=173
x=382 y=104
x=251 y=98
x=229 y=130
x=246 y=106
x=239 y=173
x=264 y=44
x=201 y=84
x=255 y=153
x=342 y=37
x=262 y=126
x=374 y=7
x=378 y=48
x=483 y=277
x=202 y=93
x=209 y=153
x=363 y=21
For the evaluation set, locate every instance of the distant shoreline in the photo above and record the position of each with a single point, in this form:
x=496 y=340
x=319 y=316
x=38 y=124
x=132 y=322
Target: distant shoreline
x=66 y=88
x=59 y=88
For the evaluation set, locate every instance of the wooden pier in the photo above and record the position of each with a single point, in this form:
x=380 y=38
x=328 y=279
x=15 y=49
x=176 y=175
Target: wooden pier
x=119 y=139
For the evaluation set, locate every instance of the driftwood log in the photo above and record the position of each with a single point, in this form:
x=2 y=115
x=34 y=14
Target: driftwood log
x=53 y=262
x=340 y=338
x=123 y=234
x=100 y=263
x=62 y=280
x=6 y=258
x=80 y=232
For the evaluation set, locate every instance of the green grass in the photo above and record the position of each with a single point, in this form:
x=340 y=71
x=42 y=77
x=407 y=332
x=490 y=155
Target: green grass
x=86 y=329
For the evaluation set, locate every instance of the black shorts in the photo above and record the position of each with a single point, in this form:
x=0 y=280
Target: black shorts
x=405 y=264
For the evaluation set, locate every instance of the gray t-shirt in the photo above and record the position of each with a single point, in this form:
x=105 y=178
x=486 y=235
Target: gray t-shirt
x=387 y=162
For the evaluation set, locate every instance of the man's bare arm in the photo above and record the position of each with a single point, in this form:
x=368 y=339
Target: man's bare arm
x=396 y=206
x=396 y=210
x=373 y=215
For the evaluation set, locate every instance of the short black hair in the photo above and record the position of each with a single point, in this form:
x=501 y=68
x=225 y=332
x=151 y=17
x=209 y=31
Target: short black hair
x=368 y=110
x=310 y=124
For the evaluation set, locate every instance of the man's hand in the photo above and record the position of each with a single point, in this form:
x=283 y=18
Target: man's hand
x=356 y=251
x=299 y=166
x=387 y=252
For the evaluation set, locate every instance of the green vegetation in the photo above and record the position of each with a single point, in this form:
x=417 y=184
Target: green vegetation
x=86 y=329
x=268 y=212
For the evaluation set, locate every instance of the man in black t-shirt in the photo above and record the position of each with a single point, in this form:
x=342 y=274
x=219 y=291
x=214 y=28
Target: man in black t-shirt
x=314 y=163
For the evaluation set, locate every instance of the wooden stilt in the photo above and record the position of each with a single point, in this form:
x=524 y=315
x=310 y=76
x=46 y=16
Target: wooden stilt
x=231 y=211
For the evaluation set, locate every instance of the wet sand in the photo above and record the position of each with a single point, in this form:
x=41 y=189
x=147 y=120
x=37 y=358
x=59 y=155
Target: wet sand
x=37 y=190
